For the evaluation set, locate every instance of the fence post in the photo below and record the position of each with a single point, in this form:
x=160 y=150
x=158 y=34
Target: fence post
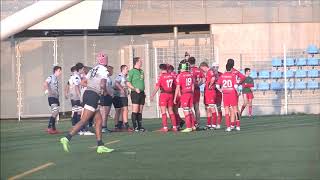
x=156 y=75
x=285 y=79
x=19 y=89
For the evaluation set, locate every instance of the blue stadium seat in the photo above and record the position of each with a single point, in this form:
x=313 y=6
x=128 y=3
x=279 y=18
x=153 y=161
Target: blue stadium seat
x=312 y=49
x=263 y=86
x=264 y=74
x=301 y=62
x=276 y=74
x=313 y=61
x=290 y=73
x=300 y=85
x=290 y=85
x=276 y=86
x=253 y=74
x=242 y=71
x=300 y=73
x=314 y=73
x=255 y=87
x=276 y=62
x=313 y=84
x=290 y=62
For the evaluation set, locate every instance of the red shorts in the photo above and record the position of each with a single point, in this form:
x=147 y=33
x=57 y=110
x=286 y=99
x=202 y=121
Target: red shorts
x=218 y=97
x=196 y=96
x=249 y=95
x=166 y=99
x=230 y=99
x=186 y=100
x=210 y=97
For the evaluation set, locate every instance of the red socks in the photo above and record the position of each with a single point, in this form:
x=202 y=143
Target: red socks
x=238 y=123
x=173 y=120
x=219 y=117
x=227 y=120
x=208 y=120
x=214 y=118
x=164 y=120
x=232 y=123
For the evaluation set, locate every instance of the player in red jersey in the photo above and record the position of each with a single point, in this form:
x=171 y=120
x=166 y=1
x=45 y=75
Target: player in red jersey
x=215 y=67
x=210 y=94
x=239 y=78
x=179 y=121
x=165 y=84
x=185 y=87
x=227 y=83
x=198 y=77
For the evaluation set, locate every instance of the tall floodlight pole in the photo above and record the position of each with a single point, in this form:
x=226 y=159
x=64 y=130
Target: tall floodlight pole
x=285 y=79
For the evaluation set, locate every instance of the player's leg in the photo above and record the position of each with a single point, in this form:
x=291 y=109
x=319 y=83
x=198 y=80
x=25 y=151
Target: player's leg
x=164 y=119
x=213 y=109
x=185 y=104
x=134 y=116
x=141 y=103
x=209 y=117
x=219 y=118
x=117 y=121
x=105 y=124
x=245 y=103
x=196 y=100
x=54 y=105
x=100 y=145
x=172 y=117
x=125 y=113
x=250 y=104
x=227 y=118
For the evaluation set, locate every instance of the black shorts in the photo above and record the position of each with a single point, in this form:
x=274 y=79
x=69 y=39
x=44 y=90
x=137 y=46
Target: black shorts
x=119 y=102
x=53 y=100
x=75 y=103
x=106 y=100
x=91 y=100
x=138 y=98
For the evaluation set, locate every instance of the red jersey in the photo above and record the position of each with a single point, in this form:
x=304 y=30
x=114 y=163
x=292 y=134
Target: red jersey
x=239 y=76
x=165 y=82
x=186 y=82
x=210 y=74
x=197 y=75
x=227 y=81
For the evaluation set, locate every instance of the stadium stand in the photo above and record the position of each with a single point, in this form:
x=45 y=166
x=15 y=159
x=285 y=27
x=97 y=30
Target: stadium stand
x=312 y=49
x=264 y=74
x=313 y=61
x=301 y=62
x=290 y=73
x=276 y=62
x=276 y=86
x=263 y=86
x=313 y=73
x=300 y=85
x=300 y=73
x=254 y=74
x=312 y=84
x=290 y=62
x=290 y=85
x=276 y=74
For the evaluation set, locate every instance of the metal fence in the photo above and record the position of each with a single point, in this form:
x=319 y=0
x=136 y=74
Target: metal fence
x=25 y=64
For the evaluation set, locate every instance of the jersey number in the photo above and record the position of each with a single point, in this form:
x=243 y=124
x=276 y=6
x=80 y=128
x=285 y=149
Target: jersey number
x=169 y=83
x=94 y=72
x=227 y=83
x=188 y=81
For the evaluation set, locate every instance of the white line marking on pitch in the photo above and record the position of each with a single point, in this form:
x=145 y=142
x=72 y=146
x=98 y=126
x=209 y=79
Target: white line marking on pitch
x=111 y=142
x=31 y=171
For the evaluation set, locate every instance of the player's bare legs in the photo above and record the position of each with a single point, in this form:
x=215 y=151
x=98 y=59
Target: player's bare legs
x=209 y=117
x=105 y=115
x=236 y=113
x=117 y=116
x=197 y=114
x=188 y=119
x=86 y=115
x=245 y=103
x=227 y=116
x=219 y=118
x=135 y=111
x=163 y=110
x=173 y=118
x=98 y=120
x=250 y=107
x=177 y=116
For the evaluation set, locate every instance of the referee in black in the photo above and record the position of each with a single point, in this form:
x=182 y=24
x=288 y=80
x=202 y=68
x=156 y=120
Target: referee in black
x=136 y=84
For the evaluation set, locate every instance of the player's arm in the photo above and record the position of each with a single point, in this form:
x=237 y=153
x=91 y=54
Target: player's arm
x=103 y=86
x=46 y=85
x=129 y=84
x=176 y=93
x=84 y=82
x=66 y=90
x=118 y=86
x=77 y=88
x=156 y=89
x=212 y=81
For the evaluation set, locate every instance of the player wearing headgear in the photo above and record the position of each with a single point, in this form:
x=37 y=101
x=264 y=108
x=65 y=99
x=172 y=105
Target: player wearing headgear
x=239 y=79
x=228 y=84
x=51 y=86
x=198 y=80
x=185 y=87
x=96 y=85
x=179 y=121
x=72 y=91
x=215 y=67
x=211 y=76
x=165 y=84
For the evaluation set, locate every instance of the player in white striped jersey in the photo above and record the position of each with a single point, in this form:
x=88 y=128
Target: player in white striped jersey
x=96 y=85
